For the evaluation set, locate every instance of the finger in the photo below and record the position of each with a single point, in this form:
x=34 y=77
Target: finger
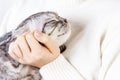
x=17 y=50
x=13 y=55
x=21 y=61
x=22 y=44
x=33 y=43
x=47 y=41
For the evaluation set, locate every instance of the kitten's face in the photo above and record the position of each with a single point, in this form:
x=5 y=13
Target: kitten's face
x=47 y=22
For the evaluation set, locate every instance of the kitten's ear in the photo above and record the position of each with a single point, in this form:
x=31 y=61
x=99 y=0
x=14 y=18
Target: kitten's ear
x=5 y=38
x=62 y=48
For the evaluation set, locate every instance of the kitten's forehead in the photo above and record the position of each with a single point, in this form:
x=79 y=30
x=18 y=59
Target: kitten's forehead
x=38 y=21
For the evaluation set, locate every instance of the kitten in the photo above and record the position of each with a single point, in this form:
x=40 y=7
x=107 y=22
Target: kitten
x=47 y=22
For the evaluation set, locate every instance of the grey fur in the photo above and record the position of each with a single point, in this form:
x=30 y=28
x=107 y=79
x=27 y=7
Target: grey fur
x=47 y=22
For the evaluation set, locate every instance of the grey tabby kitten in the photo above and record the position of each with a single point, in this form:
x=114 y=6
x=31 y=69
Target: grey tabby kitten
x=47 y=22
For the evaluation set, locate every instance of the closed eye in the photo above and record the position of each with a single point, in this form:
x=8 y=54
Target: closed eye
x=49 y=27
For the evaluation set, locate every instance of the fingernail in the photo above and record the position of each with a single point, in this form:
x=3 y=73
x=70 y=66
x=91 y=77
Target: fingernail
x=38 y=33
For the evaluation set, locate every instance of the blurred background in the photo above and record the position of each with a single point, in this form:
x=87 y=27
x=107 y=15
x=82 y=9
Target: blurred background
x=5 y=6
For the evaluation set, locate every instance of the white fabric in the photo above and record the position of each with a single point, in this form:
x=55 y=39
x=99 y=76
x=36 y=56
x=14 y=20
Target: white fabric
x=5 y=6
x=94 y=47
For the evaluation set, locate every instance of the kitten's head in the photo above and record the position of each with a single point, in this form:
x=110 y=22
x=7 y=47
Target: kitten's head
x=49 y=23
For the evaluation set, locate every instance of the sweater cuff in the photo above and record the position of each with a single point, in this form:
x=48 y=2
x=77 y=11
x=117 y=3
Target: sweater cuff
x=59 y=69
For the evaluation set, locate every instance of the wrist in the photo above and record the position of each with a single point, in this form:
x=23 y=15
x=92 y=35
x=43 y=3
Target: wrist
x=57 y=59
x=48 y=61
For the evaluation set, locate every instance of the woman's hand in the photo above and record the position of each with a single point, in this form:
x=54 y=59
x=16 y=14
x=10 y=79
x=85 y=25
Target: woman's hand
x=28 y=50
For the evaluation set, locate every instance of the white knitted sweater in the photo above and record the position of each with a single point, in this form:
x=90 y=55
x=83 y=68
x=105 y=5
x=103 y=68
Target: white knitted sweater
x=94 y=47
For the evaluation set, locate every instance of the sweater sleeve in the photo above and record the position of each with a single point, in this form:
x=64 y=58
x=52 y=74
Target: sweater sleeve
x=60 y=69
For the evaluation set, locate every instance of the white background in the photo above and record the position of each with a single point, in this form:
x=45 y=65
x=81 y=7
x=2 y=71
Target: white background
x=4 y=7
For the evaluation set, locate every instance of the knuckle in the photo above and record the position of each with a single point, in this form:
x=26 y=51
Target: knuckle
x=28 y=36
x=19 y=39
x=25 y=33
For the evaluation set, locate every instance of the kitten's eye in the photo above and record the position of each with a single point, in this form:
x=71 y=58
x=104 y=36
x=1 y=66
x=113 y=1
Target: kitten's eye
x=62 y=28
x=49 y=27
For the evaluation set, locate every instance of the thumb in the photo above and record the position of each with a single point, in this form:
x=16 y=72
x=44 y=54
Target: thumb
x=47 y=41
x=41 y=37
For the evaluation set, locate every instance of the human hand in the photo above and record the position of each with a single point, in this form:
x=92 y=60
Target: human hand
x=28 y=50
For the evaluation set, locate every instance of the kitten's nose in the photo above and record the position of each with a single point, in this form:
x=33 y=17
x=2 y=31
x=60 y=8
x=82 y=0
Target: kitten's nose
x=65 y=20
